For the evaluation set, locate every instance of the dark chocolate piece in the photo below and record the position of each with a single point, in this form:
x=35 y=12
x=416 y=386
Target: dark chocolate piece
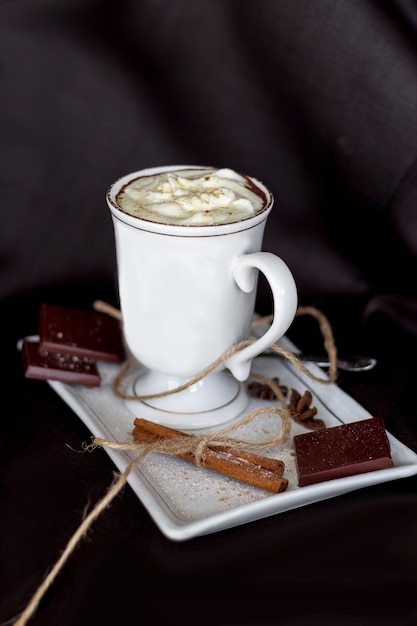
x=67 y=368
x=340 y=451
x=82 y=333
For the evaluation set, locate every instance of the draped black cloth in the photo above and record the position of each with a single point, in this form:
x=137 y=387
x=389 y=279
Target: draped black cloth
x=319 y=101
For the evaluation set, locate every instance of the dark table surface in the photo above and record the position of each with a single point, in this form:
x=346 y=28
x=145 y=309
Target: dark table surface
x=351 y=560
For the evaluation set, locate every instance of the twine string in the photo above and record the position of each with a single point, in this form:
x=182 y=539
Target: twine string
x=195 y=444
x=116 y=386
x=328 y=340
x=112 y=492
x=181 y=445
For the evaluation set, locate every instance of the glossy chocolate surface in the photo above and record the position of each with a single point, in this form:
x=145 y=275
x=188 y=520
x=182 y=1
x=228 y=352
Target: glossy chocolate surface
x=81 y=333
x=340 y=451
x=46 y=365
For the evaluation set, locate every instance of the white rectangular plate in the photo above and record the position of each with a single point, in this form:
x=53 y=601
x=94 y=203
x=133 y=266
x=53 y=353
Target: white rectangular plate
x=186 y=501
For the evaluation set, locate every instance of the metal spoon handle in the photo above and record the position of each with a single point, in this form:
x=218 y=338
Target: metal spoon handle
x=356 y=363
x=348 y=364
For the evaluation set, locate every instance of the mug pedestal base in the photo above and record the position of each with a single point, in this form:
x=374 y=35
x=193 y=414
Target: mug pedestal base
x=214 y=400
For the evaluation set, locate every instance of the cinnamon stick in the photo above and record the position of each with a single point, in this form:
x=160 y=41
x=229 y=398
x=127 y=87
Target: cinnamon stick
x=272 y=465
x=244 y=466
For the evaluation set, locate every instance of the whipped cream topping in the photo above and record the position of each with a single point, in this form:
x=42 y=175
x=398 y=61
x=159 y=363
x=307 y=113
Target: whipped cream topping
x=192 y=197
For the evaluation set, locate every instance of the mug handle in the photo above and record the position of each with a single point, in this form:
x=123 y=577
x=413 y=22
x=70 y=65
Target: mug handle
x=284 y=294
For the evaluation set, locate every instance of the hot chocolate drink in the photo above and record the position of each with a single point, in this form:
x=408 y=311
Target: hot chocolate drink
x=192 y=197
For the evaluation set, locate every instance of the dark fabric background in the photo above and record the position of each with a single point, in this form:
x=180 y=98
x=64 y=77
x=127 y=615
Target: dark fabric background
x=318 y=99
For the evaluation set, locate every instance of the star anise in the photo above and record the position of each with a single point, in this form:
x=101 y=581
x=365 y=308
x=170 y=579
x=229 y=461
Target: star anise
x=302 y=412
x=262 y=391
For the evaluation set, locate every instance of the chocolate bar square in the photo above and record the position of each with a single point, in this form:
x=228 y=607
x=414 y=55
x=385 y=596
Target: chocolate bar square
x=82 y=333
x=340 y=451
x=46 y=365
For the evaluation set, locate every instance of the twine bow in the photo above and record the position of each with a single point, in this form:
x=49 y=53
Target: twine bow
x=197 y=444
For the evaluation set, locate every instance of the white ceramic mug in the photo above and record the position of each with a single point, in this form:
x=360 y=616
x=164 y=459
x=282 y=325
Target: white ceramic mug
x=187 y=295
